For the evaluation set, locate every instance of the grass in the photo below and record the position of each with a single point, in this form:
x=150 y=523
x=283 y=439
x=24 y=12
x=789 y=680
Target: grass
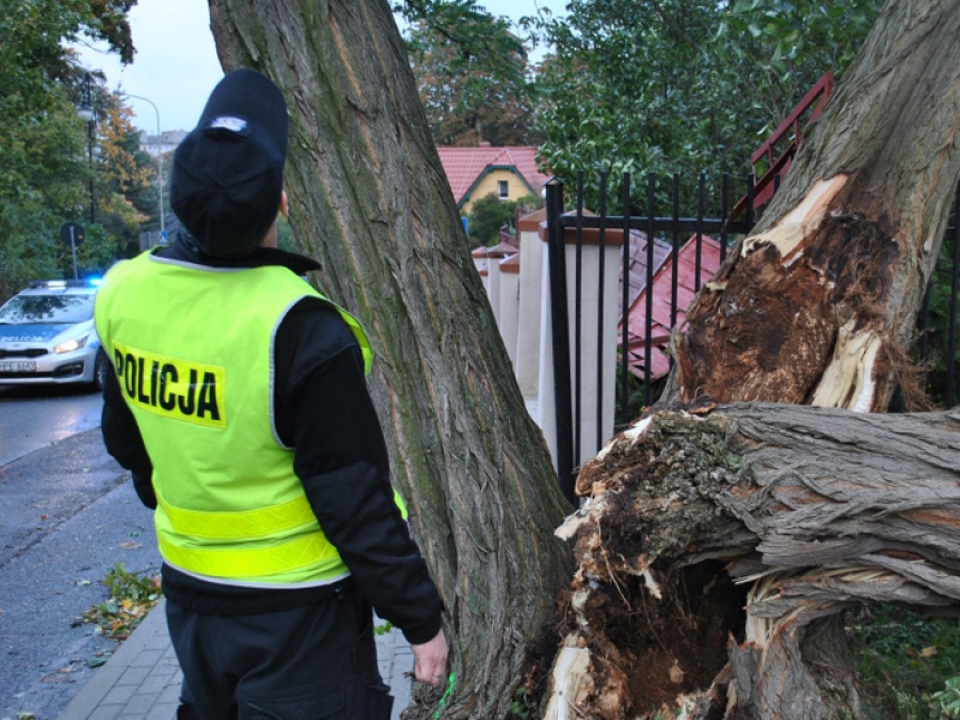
x=906 y=663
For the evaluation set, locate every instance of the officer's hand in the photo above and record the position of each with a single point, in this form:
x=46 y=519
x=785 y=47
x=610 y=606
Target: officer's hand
x=431 y=660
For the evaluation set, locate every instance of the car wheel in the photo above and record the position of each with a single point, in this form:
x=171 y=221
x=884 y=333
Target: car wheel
x=100 y=370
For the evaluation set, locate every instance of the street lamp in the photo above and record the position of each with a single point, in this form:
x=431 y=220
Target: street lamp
x=159 y=156
x=85 y=111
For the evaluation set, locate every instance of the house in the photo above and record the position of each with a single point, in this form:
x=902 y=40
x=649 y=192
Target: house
x=165 y=142
x=508 y=172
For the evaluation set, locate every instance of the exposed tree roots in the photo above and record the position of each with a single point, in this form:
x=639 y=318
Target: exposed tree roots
x=717 y=549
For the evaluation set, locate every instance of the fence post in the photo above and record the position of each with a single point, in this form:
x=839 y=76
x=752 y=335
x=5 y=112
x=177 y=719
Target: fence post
x=648 y=321
x=625 y=302
x=560 y=327
x=954 y=282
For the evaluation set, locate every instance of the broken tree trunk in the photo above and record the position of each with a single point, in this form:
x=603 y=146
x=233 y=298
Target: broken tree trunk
x=819 y=303
x=792 y=512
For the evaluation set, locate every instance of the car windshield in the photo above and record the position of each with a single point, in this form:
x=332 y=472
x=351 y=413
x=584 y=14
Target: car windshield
x=37 y=309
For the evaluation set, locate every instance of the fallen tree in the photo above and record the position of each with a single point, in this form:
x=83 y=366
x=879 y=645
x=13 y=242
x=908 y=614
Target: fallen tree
x=717 y=548
x=791 y=513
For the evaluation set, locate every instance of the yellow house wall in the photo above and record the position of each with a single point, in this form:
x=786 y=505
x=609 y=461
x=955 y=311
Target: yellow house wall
x=515 y=186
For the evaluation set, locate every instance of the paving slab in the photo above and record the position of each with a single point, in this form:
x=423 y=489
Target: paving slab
x=141 y=680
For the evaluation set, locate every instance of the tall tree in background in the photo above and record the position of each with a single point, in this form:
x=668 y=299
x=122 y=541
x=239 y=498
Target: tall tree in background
x=470 y=100
x=370 y=201
x=631 y=87
x=683 y=85
x=43 y=143
x=126 y=190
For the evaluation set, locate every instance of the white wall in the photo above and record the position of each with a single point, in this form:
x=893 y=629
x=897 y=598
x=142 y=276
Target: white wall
x=527 y=364
x=592 y=297
x=509 y=305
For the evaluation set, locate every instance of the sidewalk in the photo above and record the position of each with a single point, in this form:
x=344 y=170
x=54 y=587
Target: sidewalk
x=141 y=680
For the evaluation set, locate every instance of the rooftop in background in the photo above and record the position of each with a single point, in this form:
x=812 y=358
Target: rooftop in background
x=661 y=319
x=466 y=167
x=166 y=142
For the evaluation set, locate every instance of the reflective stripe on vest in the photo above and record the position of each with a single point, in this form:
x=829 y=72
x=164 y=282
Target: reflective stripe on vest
x=250 y=523
x=254 y=562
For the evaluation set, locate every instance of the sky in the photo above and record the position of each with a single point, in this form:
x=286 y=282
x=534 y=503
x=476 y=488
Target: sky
x=176 y=64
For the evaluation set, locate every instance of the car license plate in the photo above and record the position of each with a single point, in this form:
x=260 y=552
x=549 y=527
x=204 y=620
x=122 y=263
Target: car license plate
x=18 y=366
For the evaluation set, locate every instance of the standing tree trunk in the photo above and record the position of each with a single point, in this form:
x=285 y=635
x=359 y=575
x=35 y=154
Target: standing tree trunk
x=818 y=304
x=371 y=203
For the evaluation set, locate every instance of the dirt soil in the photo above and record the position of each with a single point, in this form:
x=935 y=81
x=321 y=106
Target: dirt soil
x=669 y=647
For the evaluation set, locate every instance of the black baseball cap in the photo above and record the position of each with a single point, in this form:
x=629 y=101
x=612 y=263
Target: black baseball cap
x=228 y=172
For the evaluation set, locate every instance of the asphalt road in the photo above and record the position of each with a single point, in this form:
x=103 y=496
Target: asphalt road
x=68 y=512
x=34 y=417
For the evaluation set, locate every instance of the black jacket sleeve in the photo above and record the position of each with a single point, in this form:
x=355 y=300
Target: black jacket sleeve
x=325 y=411
x=124 y=442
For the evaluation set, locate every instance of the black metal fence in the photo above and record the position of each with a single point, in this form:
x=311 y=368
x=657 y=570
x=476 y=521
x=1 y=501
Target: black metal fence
x=717 y=218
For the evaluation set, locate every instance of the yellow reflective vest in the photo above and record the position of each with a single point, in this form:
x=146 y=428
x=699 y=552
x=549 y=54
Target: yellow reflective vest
x=192 y=347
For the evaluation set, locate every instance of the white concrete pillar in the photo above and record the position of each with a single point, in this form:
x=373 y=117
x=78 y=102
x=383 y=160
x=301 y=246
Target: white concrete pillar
x=597 y=368
x=510 y=304
x=527 y=365
x=479 y=256
x=494 y=255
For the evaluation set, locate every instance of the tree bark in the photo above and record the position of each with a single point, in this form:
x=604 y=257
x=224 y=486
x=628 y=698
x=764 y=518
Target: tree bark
x=818 y=304
x=371 y=203
x=814 y=509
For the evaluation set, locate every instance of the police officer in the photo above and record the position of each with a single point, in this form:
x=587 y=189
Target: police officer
x=239 y=403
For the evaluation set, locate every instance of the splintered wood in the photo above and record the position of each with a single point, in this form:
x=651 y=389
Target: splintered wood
x=713 y=546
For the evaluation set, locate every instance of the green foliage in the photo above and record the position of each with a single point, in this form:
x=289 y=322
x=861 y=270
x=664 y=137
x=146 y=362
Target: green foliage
x=124 y=176
x=132 y=596
x=778 y=48
x=903 y=661
x=43 y=143
x=946 y=703
x=631 y=88
x=520 y=705
x=653 y=86
x=472 y=73
x=479 y=38
x=490 y=213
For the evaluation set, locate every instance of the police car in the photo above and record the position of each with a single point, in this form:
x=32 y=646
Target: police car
x=47 y=335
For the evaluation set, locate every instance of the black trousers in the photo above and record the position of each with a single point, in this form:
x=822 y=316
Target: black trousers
x=306 y=663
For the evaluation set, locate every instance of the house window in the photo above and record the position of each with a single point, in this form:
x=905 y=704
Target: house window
x=504 y=190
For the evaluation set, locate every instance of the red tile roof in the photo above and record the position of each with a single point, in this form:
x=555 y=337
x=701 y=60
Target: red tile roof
x=637 y=267
x=662 y=283
x=465 y=165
